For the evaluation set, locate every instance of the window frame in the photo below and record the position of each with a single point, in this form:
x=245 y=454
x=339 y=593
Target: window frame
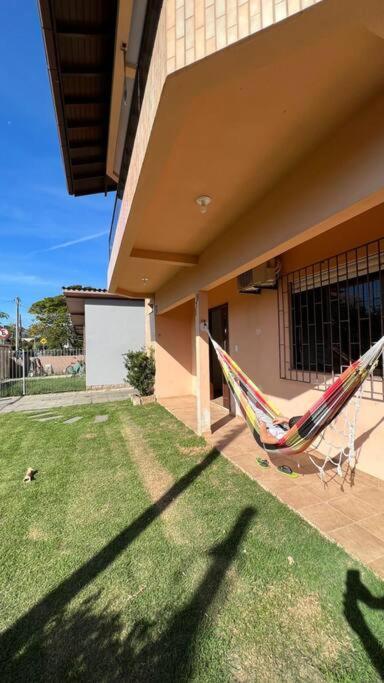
x=348 y=270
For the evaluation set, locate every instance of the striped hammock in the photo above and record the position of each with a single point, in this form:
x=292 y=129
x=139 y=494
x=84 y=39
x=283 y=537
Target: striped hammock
x=255 y=407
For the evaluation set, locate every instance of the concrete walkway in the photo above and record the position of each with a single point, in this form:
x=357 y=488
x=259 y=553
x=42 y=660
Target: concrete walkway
x=347 y=509
x=68 y=398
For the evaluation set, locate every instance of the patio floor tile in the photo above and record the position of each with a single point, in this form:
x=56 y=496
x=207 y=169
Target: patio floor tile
x=324 y=517
x=353 y=507
x=373 y=496
x=359 y=542
x=297 y=497
x=325 y=492
x=378 y=566
x=375 y=525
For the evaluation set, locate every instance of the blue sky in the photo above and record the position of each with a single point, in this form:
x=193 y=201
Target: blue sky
x=36 y=213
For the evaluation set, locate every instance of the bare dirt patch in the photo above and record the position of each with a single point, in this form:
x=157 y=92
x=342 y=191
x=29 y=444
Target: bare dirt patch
x=307 y=614
x=194 y=451
x=305 y=627
x=35 y=534
x=120 y=475
x=156 y=480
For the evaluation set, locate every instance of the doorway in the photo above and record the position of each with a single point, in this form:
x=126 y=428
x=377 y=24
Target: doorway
x=218 y=326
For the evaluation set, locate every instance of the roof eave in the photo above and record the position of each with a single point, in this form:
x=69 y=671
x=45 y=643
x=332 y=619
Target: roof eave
x=79 y=184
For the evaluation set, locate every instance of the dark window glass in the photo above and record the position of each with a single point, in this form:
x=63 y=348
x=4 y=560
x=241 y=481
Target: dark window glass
x=335 y=324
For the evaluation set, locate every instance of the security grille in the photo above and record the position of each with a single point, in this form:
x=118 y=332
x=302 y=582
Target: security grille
x=330 y=313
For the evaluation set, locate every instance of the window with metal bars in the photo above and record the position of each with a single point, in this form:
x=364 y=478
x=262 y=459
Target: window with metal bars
x=331 y=312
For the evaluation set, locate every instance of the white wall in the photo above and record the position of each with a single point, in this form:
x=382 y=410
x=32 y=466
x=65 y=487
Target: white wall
x=111 y=329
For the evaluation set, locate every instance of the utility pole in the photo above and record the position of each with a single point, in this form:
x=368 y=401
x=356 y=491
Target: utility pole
x=17 y=301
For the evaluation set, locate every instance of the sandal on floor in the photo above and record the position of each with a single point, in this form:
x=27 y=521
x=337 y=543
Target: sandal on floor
x=285 y=469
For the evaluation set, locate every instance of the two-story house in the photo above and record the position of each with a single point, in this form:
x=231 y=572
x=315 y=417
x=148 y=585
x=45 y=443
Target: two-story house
x=245 y=141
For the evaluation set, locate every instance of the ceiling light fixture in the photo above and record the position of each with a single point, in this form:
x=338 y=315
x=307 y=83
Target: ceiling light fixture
x=203 y=202
x=145 y=280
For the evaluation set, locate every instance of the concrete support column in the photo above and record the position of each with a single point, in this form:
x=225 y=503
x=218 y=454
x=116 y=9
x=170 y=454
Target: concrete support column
x=202 y=364
x=150 y=323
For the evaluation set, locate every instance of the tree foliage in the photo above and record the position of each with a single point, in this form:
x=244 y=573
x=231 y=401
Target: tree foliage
x=140 y=371
x=52 y=322
x=11 y=327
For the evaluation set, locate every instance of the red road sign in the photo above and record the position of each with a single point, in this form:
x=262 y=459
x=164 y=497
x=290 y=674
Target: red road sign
x=4 y=333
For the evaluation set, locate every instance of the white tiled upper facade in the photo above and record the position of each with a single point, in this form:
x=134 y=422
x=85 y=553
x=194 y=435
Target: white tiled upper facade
x=196 y=28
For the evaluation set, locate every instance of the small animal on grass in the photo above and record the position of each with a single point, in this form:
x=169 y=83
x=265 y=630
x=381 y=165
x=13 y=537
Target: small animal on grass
x=30 y=474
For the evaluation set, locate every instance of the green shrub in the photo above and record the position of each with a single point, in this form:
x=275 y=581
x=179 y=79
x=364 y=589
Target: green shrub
x=140 y=371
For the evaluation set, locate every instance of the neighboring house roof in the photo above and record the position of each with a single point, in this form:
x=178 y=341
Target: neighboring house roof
x=79 y=41
x=76 y=297
x=80 y=288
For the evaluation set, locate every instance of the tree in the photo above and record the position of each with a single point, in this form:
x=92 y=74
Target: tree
x=52 y=322
x=11 y=327
x=5 y=316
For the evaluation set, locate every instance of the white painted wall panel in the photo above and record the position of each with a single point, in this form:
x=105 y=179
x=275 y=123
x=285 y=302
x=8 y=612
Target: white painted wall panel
x=111 y=329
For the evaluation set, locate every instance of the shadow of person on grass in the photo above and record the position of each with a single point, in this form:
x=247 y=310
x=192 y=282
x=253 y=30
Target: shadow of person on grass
x=89 y=643
x=356 y=592
x=171 y=657
x=16 y=638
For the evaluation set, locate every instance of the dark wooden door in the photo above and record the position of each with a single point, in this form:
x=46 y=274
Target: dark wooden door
x=218 y=325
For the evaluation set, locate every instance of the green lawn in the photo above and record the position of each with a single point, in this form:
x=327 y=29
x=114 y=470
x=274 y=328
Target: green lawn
x=43 y=385
x=140 y=555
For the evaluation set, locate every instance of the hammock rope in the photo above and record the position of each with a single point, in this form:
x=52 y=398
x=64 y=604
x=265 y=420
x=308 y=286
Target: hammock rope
x=336 y=453
x=255 y=407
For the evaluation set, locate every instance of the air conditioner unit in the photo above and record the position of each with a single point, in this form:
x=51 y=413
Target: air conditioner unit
x=261 y=277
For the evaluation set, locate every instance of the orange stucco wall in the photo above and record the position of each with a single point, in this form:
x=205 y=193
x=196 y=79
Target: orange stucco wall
x=254 y=345
x=253 y=333
x=329 y=187
x=353 y=233
x=253 y=339
x=173 y=349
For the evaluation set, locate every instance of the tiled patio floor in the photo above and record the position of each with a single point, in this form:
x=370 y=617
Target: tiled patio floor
x=347 y=509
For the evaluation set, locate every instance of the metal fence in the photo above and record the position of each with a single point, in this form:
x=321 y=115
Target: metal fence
x=40 y=372
x=42 y=353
